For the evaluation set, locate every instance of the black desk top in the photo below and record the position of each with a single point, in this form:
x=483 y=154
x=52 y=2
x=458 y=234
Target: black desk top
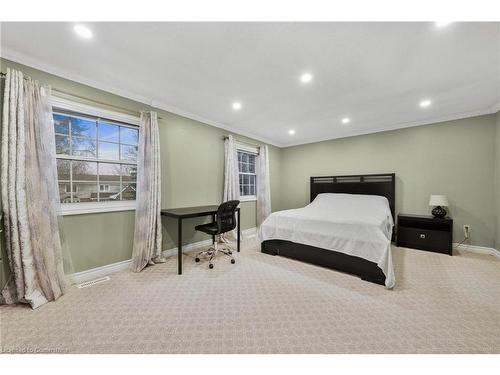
x=187 y=212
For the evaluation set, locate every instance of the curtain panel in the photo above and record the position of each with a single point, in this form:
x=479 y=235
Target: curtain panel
x=148 y=228
x=231 y=171
x=30 y=194
x=231 y=177
x=263 y=186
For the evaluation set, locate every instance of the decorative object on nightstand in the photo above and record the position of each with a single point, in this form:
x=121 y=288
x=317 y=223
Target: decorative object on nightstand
x=425 y=233
x=438 y=201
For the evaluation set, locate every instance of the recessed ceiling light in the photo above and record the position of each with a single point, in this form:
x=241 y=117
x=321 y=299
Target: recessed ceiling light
x=236 y=106
x=425 y=103
x=306 y=77
x=346 y=120
x=291 y=132
x=442 y=23
x=83 y=31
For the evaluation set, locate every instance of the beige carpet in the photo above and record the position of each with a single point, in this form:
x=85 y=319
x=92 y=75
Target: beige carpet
x=266 y=304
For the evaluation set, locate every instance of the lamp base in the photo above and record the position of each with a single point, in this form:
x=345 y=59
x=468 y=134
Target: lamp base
x=438 y=212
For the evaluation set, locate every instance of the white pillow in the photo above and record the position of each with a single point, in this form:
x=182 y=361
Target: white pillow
x=350 y=201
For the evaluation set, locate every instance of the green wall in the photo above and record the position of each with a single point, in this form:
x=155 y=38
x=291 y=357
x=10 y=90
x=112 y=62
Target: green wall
x=192 y=158
x=453 y=158
x=497 y=179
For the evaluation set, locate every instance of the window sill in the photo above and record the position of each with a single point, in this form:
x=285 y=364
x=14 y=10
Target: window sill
x=248 y=198
x=91 y=207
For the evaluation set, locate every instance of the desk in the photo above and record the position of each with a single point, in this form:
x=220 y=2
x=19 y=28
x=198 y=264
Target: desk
x=189 y=212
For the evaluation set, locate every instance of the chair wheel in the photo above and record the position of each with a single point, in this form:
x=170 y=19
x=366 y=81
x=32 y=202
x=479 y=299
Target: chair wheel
x=196 y=259
x=210 y=265
x=233 y=261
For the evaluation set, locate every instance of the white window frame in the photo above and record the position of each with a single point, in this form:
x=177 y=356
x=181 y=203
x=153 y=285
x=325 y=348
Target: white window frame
x=94 y=207
x=251 y=150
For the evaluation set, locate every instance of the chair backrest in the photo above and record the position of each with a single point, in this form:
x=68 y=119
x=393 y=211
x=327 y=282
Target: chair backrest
x=226 y=216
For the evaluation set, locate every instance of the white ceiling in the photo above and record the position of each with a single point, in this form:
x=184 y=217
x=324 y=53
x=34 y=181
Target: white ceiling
x=374 y=73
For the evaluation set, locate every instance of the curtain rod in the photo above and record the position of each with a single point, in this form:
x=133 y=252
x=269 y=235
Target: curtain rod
x=78 y=97
x=64 y=93
x=3 y=75
x=246 y=143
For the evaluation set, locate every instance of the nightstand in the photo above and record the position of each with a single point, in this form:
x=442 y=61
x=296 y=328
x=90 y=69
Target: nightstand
x=425 y=233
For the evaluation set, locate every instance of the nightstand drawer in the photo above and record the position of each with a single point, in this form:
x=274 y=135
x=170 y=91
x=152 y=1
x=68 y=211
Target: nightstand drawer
x=424 y=239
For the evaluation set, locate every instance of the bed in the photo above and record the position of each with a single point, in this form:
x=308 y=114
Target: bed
x=346 y=227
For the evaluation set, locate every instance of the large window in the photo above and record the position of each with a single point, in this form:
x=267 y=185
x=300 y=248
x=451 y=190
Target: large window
x=96 y=158
x=247 y=174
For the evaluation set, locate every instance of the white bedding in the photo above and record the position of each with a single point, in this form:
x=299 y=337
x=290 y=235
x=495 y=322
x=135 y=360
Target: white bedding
x=358 y=225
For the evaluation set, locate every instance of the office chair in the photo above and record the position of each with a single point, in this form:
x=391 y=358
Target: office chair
x=225 y=221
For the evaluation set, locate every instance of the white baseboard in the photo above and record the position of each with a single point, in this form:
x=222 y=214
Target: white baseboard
x=94 y=273
x=477 y=249
x=186 y=248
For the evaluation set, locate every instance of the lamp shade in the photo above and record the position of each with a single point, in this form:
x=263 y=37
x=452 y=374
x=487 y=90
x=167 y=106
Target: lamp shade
x=438 y=200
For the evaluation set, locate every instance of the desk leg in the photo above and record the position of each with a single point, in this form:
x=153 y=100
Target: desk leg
x=179 y=246
x=213 y=236
x=239 y=231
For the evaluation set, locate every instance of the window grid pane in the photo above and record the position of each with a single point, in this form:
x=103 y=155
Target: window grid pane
x=108 y=132
x=129 y=136
x=61 y=124
x=83 y=127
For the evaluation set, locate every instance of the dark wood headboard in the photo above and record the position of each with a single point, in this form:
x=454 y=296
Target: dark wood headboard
x=368 y=184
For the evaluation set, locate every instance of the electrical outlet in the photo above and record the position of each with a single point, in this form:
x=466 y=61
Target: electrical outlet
x=467 y=231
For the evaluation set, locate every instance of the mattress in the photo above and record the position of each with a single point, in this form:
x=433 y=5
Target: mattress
x=353 y=224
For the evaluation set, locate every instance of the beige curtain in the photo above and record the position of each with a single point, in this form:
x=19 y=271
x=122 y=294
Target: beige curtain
x=231 y=178
x=231 y=172
x=30 y=194
x=148 y=235
x=263 y=186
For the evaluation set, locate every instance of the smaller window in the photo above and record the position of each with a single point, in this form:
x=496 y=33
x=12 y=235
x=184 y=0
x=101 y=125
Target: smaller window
x=247 y=174
x=103 y=188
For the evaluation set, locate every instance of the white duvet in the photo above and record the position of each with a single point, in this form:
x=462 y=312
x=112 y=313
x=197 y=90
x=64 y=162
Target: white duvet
x=358 y=225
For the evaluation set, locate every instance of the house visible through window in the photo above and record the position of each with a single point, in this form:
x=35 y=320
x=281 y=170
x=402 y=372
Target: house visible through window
x=96 y=158
x=247 y=174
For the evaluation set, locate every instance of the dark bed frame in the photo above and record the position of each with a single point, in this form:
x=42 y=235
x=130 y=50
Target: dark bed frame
x=372 y=184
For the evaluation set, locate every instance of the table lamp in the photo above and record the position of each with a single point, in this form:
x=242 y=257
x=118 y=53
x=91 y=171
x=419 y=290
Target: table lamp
x=438 y=201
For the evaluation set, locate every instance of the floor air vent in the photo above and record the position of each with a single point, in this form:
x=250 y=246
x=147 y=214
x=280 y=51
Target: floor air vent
x=93 y=282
